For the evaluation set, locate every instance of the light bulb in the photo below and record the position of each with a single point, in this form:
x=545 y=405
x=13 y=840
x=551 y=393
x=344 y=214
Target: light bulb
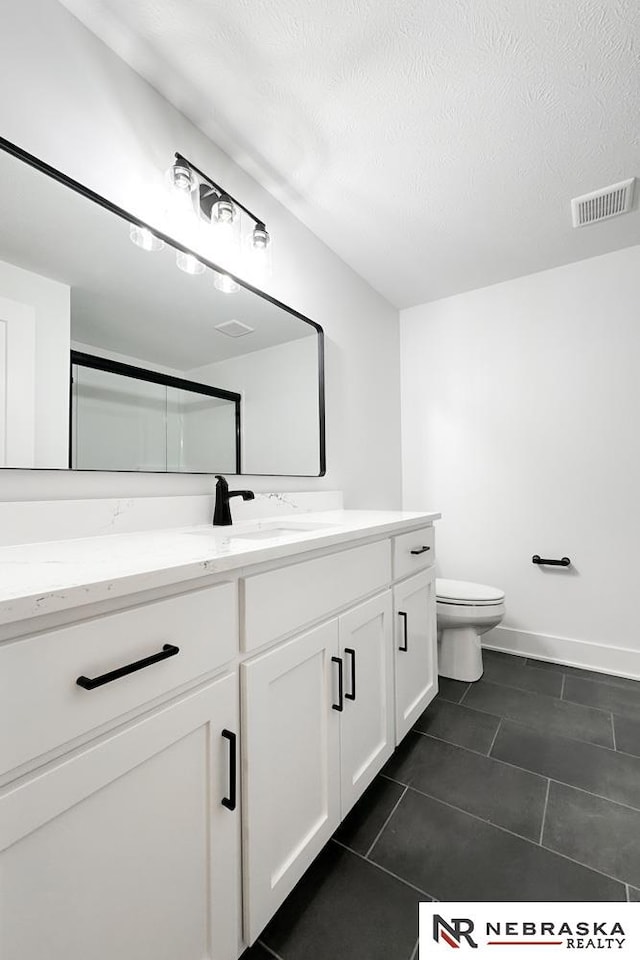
x=260 y=238
x=223 y=210
x=260 y=247
x=181 y=176
x=144 y=238
x=224 y=233
x=188 y=263
x=223 y=282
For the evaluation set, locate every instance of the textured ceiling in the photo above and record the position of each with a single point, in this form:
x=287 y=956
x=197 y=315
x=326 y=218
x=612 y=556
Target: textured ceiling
x=433 y=144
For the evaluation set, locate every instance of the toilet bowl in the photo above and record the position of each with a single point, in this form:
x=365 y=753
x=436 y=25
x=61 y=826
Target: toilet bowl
x=465 y=611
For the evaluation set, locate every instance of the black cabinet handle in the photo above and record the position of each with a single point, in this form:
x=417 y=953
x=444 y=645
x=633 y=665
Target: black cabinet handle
x=420 y=550
x=230 y=801
x=404 y=646
x=352 y=654
x=565 y=562
x=88 y=683
x=339 y=706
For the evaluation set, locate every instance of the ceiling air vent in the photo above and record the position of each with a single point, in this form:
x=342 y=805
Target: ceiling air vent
x=603 y=204
x=234 y=328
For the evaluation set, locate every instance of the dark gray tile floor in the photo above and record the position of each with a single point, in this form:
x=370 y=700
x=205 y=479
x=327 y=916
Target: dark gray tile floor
x=627 y=735
x=522 y=786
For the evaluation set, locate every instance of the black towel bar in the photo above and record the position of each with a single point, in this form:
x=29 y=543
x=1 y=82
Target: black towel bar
x=565 y=562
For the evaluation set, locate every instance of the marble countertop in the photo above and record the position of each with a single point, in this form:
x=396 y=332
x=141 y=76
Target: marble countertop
x=44 y=578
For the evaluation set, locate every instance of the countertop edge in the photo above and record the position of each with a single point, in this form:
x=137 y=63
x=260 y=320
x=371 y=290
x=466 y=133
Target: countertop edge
x=32 y=606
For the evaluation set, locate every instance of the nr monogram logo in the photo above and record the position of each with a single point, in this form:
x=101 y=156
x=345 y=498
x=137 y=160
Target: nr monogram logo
x=453 y=933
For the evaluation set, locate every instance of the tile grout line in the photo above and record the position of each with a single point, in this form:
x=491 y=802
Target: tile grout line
x=544 y=812
x=514 y=766
x=382 y=828
x=271 y=952
x=414 y=955
x=529 y=726
x=532 y=693
x=615 y=686
x=511 y=833
x=378 y=866
x=564 y=680
x=495 y=737
x=532 y=663
x=465 y=693
x=613 y=733
x=626 y=886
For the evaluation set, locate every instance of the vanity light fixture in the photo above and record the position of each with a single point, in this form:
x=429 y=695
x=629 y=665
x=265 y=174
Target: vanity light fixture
x=144 y=238
x=188 y=263
x=213 y=204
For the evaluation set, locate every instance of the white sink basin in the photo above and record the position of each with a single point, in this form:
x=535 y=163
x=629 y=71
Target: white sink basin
x=263 y=532
x=273 y=533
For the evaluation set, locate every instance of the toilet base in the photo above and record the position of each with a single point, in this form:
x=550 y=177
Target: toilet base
x=460 y=654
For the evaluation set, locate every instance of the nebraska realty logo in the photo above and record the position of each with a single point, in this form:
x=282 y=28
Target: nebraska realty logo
x=512 y=926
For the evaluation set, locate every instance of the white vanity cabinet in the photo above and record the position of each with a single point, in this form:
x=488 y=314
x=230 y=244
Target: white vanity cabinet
x=367 y=721
x=125 y=848
x=416 y=665
x=290 y=767
x=173 y=760
x=190 y=635
x=317 y=727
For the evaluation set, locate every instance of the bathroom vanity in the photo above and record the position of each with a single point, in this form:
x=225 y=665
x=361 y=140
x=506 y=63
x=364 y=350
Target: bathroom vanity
x=187 y=716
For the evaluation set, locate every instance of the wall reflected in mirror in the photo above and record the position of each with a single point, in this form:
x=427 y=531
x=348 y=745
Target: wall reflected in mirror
x=71 y=279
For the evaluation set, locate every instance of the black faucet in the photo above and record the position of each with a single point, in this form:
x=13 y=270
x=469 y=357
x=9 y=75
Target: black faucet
x=222 y=511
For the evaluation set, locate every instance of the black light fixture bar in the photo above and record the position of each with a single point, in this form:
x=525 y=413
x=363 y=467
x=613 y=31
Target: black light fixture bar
x=216 y=186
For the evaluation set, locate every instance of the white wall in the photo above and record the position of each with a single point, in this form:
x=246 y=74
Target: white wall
x=76 y=105
x=279 y=388
x=520 y=407
x=49 y=302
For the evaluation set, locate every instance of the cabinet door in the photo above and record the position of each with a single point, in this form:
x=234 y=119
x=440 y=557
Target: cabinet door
x=124 y=850
x=416 y=649
x=291 y=787
x=367 y=725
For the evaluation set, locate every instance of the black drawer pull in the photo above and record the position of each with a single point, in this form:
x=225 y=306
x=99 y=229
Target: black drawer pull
x=352 y=654
x=565 y=562
x=404 y=646
x=339 y=706
x=230 y=801
x=167 y=651
x=420 y=550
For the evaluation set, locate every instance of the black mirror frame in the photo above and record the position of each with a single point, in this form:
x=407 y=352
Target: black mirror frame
x=8 y=147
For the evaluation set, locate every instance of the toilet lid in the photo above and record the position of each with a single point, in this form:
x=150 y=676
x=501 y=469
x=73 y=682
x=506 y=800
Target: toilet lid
x=462 y=591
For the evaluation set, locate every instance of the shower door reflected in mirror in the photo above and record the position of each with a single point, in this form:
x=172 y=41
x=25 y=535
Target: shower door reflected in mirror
x=72 y=280
x=125 y=418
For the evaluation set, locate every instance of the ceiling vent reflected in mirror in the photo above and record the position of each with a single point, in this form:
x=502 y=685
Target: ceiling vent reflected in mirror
x=234 y=328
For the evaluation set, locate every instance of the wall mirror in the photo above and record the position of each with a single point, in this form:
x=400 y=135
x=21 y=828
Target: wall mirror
x=111 y=358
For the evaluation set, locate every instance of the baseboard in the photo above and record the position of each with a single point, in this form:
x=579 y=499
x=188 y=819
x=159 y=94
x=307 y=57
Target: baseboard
x=600 y=657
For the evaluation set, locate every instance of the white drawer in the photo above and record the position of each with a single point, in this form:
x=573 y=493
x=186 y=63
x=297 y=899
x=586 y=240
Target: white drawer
x=281 y=601
x=41 y=705
x=413 y=552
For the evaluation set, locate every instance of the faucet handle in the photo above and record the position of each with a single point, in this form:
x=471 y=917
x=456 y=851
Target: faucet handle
x=221 y=481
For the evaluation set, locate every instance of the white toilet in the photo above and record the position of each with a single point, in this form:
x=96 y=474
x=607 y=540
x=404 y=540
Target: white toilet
x=465 y=611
